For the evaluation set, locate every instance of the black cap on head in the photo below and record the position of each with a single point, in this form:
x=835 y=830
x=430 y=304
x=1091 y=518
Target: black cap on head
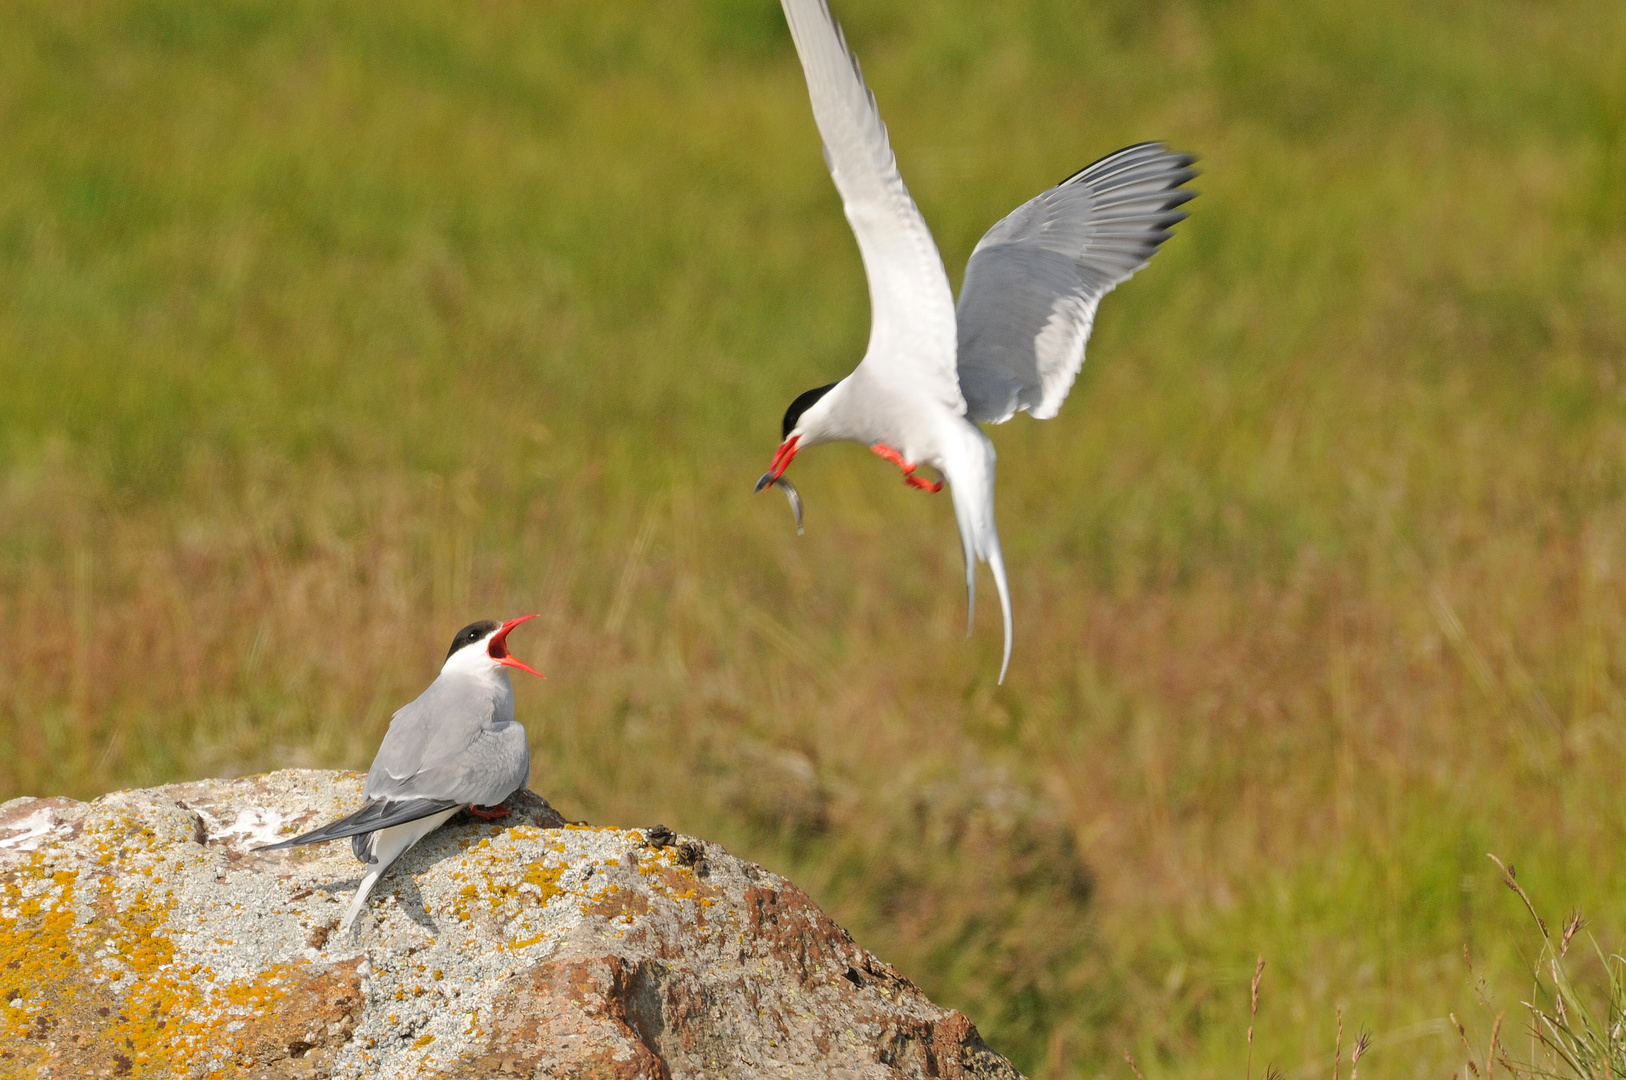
x=800 y=406
x=471 y=634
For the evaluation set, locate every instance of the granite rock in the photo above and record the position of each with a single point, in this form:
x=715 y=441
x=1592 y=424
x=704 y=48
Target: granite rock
x=142 y=935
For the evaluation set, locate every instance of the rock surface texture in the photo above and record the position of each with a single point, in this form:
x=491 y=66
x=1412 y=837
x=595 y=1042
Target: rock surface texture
x=140 y=935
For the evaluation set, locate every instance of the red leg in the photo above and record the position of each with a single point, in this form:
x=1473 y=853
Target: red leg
x=909 y=476
x=490 y=813
x=893 y=456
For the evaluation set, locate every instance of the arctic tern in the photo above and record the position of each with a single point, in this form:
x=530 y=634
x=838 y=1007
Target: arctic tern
x=457 y=746
x=1015 y=341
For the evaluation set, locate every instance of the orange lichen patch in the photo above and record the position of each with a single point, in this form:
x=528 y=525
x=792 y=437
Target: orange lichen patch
x=58 y=965
x=297 y=1012
x=675 y=882
x=545 y=878
x=35 y=947
x=525 y=832
x=618 y=903
x=500 y=893
x=111 y=996
x=539 y=882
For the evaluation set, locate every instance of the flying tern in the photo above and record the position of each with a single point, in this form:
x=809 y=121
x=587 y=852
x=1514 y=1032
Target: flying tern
x=457 y=746
x=1015 y=341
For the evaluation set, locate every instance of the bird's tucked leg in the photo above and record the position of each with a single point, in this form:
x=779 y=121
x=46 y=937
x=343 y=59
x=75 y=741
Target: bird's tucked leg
x=909 y=476
x=489 y=813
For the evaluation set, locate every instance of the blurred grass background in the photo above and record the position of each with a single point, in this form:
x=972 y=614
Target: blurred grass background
x=326 y=328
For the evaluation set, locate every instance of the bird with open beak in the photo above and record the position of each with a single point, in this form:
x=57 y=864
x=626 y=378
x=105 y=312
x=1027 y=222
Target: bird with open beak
x=456 y=747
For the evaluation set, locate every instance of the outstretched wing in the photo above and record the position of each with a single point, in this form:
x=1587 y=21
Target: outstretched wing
x=911 y=305
x=376 y=814
x=1035 y=280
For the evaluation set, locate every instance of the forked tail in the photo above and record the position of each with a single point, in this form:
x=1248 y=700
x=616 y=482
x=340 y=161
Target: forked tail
x=970 y=473
x=996 y=563
x=360 y=900
x=380 y=849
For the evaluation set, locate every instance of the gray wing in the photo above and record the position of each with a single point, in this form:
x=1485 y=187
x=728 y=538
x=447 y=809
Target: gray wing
x=1034 y=281
x=455 y=743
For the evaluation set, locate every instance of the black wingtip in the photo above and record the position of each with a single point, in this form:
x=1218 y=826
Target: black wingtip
x=1176 y=162
x=283 y=846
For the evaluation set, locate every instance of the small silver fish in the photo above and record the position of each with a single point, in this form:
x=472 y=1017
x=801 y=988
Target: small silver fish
x=791 y=493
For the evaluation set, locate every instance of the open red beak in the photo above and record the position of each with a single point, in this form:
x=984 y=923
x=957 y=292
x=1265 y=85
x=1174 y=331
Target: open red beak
x=781 y=461
x=497 y=648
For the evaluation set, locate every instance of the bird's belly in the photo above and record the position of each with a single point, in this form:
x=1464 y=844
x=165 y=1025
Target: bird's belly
x=907 y=425
x=391 y=843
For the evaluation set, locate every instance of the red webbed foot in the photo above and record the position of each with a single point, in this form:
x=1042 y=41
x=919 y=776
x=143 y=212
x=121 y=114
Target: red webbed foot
x=909 y=476
x=490 y=813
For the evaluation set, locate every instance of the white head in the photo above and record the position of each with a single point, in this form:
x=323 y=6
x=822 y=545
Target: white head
x=482 y=649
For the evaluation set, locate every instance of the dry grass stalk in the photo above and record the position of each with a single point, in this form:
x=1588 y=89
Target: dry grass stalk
x=1338 y=1045
x=1362 y=1043
x=1462 y=1032
x=1573 y=1042
x=1511 y=882
x=1572 y=926
x=1253 y=1011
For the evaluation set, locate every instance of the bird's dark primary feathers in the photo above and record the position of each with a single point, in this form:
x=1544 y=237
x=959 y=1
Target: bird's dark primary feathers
x=378 y=814
x=802 y=403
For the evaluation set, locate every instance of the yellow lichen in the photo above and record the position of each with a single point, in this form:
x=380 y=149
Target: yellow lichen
x=545 y=878
x=116 y=978
x=539 y=883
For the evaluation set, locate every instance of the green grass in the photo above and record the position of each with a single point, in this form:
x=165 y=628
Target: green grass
x=328 y=327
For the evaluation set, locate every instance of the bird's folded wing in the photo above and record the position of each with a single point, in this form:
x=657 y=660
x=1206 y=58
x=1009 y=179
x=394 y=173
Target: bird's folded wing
x=912 y=308
x=484 y=771
x=1034 y=281
x=445 y=745
x=377 y=814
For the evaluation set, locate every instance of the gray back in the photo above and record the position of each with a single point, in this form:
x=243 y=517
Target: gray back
x=458 y=741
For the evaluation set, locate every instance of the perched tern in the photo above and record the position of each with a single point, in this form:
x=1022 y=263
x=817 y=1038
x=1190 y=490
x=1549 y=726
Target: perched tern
x=457 y=746
x=1016 y=340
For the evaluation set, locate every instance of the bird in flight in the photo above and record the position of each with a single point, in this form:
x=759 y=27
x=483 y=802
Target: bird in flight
x=457 y=746
x=1015 y=341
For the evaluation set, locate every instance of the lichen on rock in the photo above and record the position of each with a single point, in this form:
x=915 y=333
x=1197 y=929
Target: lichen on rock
x=142 y=935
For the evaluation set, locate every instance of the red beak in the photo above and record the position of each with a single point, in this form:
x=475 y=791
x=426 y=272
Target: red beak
x=781 y=461
x=497 y=648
